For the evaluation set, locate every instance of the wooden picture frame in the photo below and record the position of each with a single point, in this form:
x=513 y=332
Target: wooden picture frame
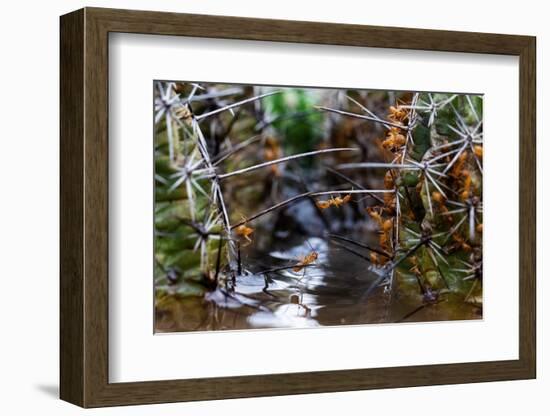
x=84 y=207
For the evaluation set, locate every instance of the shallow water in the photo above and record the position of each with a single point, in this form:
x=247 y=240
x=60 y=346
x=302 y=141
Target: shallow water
x=332 y=291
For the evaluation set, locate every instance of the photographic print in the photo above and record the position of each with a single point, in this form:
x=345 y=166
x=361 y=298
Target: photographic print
x=302 y=207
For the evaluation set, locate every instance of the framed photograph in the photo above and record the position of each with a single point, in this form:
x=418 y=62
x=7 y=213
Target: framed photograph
x=260 y=207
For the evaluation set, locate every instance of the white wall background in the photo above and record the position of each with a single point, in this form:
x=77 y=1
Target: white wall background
x=29 y=253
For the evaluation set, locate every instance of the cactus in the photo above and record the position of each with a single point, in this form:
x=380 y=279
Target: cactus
x=431 y=226
x=196 y=239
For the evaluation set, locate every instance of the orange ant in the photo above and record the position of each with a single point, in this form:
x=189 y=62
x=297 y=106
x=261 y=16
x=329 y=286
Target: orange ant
x=390 y=201
x=323 y=204
x=461 y=243
x=394 y=139
x=244 y=231
x=334 y=201
x=306 y=260
x=459 y=165
x=467 y=185
x=385 y=237
x=439 y=199
x=398 y=114
x=375 y=215
x=386 y=227
x=341 y=201
x=389 y=180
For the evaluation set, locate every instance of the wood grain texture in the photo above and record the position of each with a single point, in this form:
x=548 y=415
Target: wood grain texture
x=84 y=206
x=527 y=207
x=71 y=100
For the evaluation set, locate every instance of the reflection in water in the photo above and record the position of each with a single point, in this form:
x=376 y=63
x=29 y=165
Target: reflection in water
x=329 y=292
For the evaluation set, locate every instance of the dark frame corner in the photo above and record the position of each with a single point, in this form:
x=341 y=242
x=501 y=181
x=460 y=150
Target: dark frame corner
x=84 y=208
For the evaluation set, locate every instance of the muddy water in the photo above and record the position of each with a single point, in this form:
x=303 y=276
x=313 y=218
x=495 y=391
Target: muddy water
x=332 y=291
